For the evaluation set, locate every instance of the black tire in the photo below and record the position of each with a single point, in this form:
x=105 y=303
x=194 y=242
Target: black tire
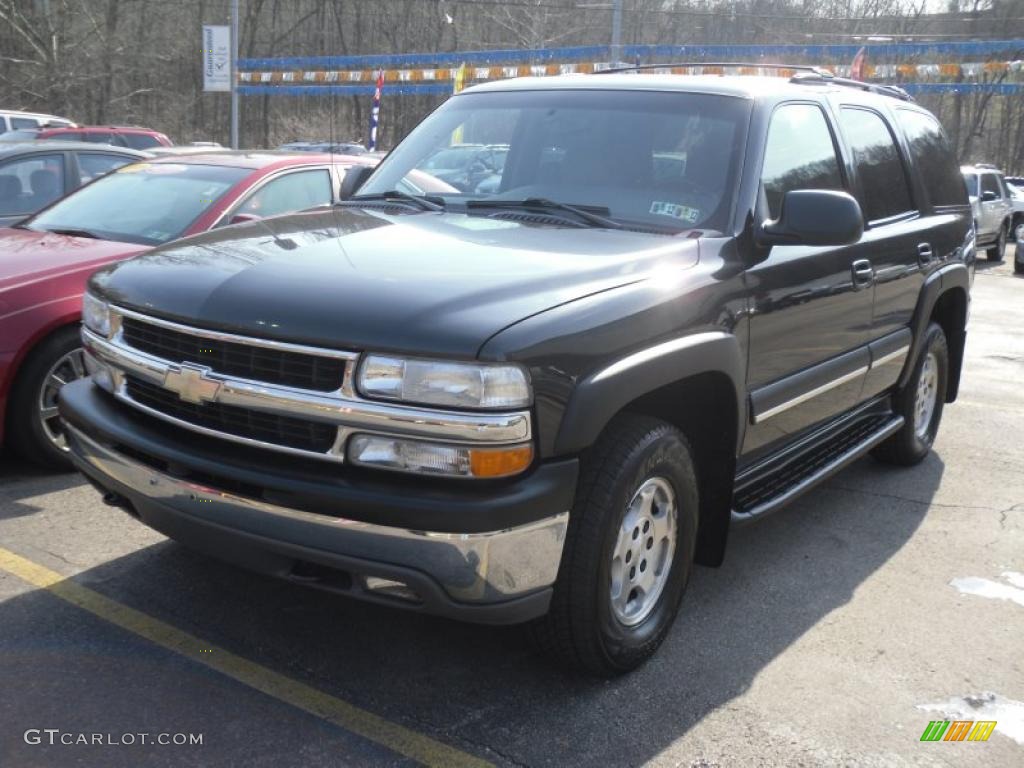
x=909 y=446
x=1018 y=268
x=25 y=432
x=581 y=629
x=996 y=251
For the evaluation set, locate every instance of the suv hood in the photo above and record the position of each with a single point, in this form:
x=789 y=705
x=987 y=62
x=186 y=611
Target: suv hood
x=430 y=283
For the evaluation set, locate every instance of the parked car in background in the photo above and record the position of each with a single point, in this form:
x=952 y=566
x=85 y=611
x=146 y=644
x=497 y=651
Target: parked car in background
x=120 y=136
x=341 y=147
x=1016 y=185
x=992 y=207
x=34 y=174
x=18 y=136
x=45 y=260
x=13 y=120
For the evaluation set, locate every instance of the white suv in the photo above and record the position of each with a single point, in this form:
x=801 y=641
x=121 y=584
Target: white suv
x=992 y=206
x=15 y=121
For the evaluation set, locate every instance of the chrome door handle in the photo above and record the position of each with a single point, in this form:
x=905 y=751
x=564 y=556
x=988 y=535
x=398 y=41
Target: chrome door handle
x=925 y=254
x=863 y=273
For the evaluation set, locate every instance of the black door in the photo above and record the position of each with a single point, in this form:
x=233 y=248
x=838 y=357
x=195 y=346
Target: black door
x=810 y=306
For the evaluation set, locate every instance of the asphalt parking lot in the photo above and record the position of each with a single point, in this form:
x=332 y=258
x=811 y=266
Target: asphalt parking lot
x=836 y=630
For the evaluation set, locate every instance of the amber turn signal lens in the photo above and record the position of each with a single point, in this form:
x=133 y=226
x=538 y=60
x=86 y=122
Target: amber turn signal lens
x=500 y=462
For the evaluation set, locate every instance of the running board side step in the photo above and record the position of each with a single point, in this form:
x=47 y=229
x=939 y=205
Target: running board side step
x=774 y=490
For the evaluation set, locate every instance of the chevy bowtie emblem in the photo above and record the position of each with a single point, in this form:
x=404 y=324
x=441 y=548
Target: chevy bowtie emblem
x=191 y=384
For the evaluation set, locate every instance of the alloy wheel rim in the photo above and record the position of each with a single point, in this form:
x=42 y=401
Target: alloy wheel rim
x=67 y=369
x=1018 y=232
x=927 y=394
x=643 y=552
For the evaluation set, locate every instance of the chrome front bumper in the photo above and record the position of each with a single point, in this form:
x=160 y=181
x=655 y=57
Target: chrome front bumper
x=495 y=577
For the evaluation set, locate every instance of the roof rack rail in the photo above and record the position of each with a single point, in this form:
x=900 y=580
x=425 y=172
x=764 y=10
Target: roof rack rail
x=805 y=73
x=763 y=65
x=893 y=91
x=987 y=165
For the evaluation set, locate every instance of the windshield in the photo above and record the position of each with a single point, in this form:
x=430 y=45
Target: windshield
x=147 y=203
x=658 y=159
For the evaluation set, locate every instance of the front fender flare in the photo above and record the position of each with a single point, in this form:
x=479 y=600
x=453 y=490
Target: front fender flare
x=601 y=395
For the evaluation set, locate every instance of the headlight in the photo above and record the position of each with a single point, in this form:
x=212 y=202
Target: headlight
x=96 y=315
x=431 y=382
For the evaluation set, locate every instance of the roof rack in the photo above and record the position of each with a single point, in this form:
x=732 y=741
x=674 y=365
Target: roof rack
x=893 y=91
x=641 y=67
x=805 y=74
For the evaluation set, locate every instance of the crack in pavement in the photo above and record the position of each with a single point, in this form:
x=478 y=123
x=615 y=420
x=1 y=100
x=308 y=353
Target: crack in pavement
x=896 y=497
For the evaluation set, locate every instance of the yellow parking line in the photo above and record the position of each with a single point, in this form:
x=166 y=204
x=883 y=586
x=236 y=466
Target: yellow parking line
x=396 y=738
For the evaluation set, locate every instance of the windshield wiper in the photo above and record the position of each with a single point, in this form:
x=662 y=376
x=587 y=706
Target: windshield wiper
x=423 y=202
x=542 y=204
x=76 y=233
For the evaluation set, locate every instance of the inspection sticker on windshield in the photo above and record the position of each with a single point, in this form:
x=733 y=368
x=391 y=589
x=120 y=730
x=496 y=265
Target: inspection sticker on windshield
x=683 y=212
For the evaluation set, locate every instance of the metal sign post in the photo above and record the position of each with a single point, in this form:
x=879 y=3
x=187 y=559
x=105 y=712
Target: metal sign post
x=234 y=74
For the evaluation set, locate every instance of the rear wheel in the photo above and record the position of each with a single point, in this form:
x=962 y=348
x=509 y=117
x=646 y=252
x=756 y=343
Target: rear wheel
x=628 y=552
x=920 y=403
x=35 y=428
x=996 y=250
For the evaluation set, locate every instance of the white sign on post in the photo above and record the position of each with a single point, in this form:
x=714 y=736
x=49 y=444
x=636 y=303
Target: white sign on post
x=216 y=58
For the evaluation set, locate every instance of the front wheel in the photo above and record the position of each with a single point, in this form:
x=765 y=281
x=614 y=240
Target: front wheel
x=628 y=551
x=920 y=403
x=995 y=252
x=35 y=428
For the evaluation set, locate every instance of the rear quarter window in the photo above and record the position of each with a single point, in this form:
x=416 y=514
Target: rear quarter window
x=933 y=158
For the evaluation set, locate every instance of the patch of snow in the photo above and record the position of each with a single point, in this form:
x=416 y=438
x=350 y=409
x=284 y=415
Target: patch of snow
x=972 y=585
x=1017 y=579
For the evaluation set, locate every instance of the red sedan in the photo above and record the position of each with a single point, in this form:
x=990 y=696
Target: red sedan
x=45 y=261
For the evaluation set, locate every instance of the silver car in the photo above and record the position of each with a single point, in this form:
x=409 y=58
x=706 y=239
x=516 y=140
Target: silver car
x=992 y=205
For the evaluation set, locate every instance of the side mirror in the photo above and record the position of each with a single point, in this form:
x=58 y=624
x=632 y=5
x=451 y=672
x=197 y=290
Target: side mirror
x=988 y=196
x=355 y=177
x=814 y=217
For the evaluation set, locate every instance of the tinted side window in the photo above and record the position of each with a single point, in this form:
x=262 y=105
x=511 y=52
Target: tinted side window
x=64 y=137
x=883 y=180
x=989 y=183
x=933 y=158
x=293 y=192
x=93 y=164
x=30 y=183
x=3 y=124
x=971 y=180
x=799 y=154
x=140 y=140
x=99 y=138
x=24 y=122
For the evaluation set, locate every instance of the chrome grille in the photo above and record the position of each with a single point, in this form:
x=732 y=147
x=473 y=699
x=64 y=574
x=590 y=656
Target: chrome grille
x=299 y=434
x=273 y=366
x=189 y=377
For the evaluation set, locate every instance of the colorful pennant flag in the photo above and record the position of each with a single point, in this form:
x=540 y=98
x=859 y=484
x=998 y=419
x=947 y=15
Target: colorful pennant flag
x=375 y=112
x=857 y=67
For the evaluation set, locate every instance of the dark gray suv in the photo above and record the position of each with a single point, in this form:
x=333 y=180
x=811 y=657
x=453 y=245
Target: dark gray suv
x=686 y=301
